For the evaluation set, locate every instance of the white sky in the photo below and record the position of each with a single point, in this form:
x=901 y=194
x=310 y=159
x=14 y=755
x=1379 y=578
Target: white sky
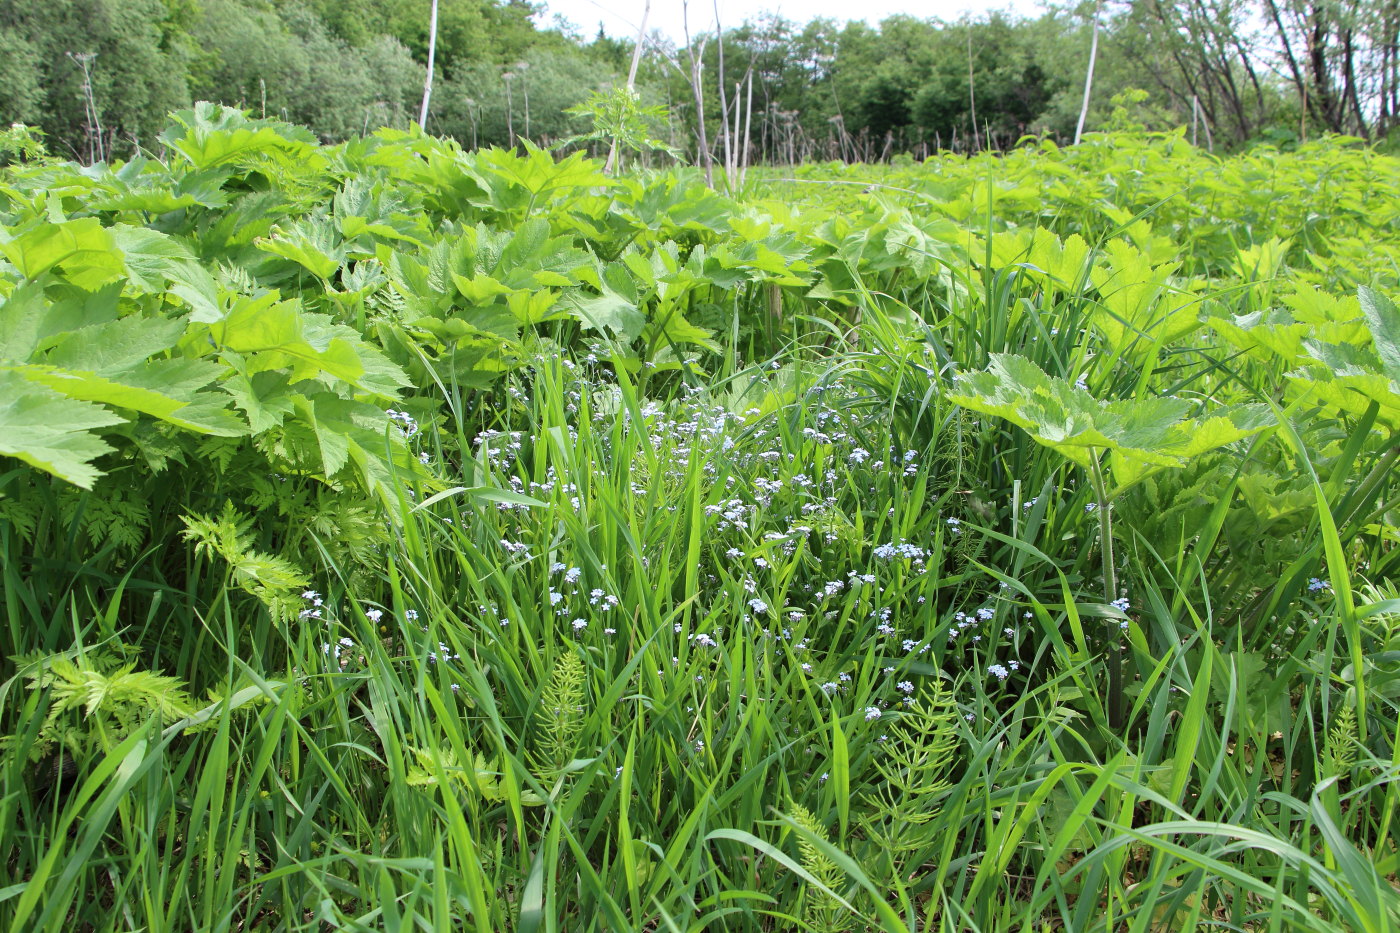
x=620 y=18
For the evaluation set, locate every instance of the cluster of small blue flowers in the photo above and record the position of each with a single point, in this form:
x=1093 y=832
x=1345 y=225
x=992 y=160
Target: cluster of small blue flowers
x=1122 y=605
x=444 y=652
x=313 y=610
x=764 y=502
x=567 y=597
x=405 y=422
x=339 y=651
x=901 y=551
x=500 y=448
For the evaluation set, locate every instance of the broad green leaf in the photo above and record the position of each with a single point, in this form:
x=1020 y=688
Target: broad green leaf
x=1383 y=320
x=50 y=432
x=30 y=319
x=1225 y=426
x=211 y=135
x=1349 y=375
x=1069 y=419
x=163 y=389
x=263 y=397
x=256 y=324
x=668 y=326
x=82 y=249
x=1140 y=302
x=351 y=434
x=365 y=209
x=1354 y=393
x=313 y=243
x=272 y=334
x=377 y=373
x=1261 y=262
x=528 y=308
x=1190 y=439
x=609 y=312
x=115 y=345
x=480 y=288
x=518 y=183
x=157 y=263
x=1140 y=435
x=1063 y=261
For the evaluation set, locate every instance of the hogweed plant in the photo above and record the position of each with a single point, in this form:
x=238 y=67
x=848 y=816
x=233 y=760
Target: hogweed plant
x=1117 y=443
x=623 y=122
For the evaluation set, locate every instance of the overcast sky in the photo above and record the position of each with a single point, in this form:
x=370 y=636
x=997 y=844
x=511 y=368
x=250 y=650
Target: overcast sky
x=621 y=17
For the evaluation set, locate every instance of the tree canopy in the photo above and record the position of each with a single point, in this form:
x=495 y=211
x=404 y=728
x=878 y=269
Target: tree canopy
x=99 y=76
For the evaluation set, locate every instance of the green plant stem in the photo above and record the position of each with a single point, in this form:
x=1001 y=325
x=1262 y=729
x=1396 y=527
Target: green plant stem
x=1110 y=588
x=1373 y=480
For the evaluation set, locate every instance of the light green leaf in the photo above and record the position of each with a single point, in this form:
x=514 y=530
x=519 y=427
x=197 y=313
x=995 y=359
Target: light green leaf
x=115 y=346
x=150 y=389
x=83 y=249
x=313 y=243
x=50 y=432
x=212 y=135
x=1067 y=418
x=1140 y=435
x=272 y=334
x=609 y=312
x=1224 y=427
x=479 y=288
x=1383 y=320
x=263 y=398
x=158 y=263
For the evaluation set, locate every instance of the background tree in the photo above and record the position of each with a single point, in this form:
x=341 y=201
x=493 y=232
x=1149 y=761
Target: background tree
x=290 y=65
x=138 y=72
x=99 y=76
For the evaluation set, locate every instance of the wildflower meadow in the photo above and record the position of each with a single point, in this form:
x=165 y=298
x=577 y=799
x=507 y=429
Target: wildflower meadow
x=401 y=538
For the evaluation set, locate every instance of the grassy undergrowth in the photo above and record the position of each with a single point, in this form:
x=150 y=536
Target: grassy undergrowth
x=1003 y=580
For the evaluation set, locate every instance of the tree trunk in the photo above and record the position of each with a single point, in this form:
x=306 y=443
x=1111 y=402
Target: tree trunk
x=1088 y=78
x=432 y=53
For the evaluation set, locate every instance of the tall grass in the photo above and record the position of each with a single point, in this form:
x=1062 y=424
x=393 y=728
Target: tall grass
x=763 y=678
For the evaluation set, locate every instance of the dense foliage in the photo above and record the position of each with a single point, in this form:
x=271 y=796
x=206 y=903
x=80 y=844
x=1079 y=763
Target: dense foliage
x=402 y=537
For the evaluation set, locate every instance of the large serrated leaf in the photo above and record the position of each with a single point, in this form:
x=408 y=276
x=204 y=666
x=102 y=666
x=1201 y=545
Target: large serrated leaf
x=273 y=335
x=314 y=243
x=157 y=263
x=1383 y=320
x=608 y=312
x=83 y=250
x=1067 y=418
x=355 y=434
x=210 y=135
x=28 y=319
x=115 y=345
x=50 y=432
x=263 y=397
x=1140 y=434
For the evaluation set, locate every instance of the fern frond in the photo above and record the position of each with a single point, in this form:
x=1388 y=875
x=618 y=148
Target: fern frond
x=113 y=698
x=266 y=576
